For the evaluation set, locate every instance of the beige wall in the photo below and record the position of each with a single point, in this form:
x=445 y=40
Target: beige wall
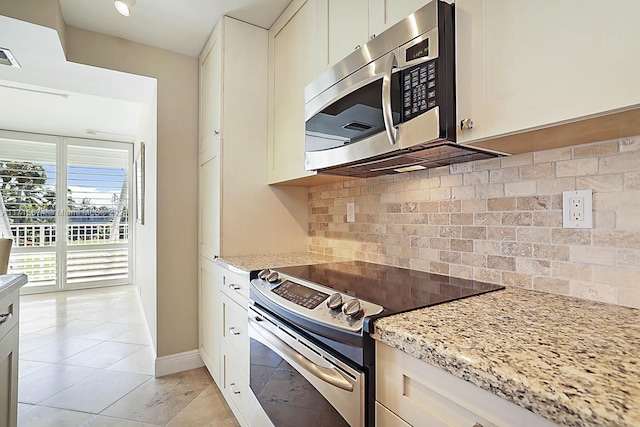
x=177 y=131
x=145 y=254
x=498 y=221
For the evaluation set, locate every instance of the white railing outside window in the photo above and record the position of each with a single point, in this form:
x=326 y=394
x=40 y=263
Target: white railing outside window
x=39 y=235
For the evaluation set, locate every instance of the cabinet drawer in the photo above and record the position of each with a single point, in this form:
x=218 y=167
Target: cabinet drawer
x=386 y=418
x=235 y=286
x=235 y=326
x=236 y=380
x=423 y=394
x=9 y=310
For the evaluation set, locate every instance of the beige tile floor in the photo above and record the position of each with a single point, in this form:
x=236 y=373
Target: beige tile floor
x=86 y=360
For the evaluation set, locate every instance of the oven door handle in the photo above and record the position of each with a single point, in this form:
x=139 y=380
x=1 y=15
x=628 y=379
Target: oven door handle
x=387 y=110
x=328 y=375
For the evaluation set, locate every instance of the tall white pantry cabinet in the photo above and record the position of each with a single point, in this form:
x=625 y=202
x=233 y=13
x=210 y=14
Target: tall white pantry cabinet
x=238 y=213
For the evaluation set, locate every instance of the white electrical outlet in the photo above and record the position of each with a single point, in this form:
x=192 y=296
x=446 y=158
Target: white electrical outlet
x=351 y=212
x=577 y=209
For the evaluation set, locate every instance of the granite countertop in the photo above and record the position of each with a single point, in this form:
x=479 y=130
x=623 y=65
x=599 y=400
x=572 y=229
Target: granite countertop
x=10 y=282
x=572 y=361
x=259 y=262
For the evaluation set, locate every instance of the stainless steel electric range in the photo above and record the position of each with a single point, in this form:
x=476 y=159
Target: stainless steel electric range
x=311 y=355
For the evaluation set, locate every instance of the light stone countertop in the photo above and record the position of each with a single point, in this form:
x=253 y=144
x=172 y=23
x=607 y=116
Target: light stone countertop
x=10 y=282
x=572 y=361
x=260 y=262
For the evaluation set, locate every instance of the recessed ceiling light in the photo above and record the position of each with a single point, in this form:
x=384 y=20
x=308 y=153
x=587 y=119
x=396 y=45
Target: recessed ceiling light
x=124 y=6
x=6 y=58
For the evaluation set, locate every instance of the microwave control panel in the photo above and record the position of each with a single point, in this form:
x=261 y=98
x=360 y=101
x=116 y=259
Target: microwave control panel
x=419 y=89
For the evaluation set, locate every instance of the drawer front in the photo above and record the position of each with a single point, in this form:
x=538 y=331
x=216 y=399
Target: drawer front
x=236 y=380
x=9 y=310
x=235 y=286
x=386 y=418
x=235 y=326
x=423 y=394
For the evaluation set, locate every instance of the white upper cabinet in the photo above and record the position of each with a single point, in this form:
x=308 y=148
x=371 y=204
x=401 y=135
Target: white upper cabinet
x=384 y=13
x=233 y=157
x=293 y=54
x=343 y=26
x=529 y=64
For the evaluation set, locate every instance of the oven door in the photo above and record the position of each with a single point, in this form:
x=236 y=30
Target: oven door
x=297 y=383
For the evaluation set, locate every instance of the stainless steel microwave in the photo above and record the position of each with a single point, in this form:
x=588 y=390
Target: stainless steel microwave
x=389 y=106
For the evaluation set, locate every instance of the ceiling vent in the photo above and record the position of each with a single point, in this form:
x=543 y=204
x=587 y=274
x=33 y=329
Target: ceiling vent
x=6 y=58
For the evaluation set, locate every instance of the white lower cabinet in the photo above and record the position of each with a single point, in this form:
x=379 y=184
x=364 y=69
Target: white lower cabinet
x=224 y=332
x=229 y=342
x=385 y=417
x=412 y=392
x=210 y=315
x=9 y=310
x=9 y=379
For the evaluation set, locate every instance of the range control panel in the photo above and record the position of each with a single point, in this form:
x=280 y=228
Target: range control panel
x=419 y=89
x=301 y=295
x=314 y=301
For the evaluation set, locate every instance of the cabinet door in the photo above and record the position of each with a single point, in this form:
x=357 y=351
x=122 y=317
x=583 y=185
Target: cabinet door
x=342 y=27
x=524 y=65
x=9 y=379
x=210 y=316
x=209 y=202
x=210 y=91
x=386 y=418
x=236 y=382
x=293 y=55
x=384 y=13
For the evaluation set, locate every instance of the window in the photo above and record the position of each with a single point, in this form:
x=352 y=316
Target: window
x=78 y=186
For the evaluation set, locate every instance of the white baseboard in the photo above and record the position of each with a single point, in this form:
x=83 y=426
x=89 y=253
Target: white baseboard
x=179 y=362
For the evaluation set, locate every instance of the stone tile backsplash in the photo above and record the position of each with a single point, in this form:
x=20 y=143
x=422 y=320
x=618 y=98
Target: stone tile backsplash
x=498 y=220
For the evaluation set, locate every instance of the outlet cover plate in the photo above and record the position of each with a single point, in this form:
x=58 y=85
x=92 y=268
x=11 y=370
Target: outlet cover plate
x=351 y=212
x=586 y=197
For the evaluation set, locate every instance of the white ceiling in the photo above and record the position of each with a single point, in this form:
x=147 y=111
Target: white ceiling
x=49 y=95
x=52 y=96
x=181 y=26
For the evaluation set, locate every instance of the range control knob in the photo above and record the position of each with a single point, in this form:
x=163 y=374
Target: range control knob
x=335 y=301
x=272 y=277
x=263 y=274
x=352 y=308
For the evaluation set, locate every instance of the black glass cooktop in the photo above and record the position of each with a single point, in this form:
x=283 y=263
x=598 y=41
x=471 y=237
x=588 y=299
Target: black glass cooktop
x=396 y=289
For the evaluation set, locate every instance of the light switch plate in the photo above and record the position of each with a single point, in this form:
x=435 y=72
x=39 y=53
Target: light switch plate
x=577 y=209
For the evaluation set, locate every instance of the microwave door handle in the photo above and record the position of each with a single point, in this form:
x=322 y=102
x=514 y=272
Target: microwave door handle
x=387 y=111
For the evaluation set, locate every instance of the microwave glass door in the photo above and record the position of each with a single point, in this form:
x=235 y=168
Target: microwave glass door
x=353 y=117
